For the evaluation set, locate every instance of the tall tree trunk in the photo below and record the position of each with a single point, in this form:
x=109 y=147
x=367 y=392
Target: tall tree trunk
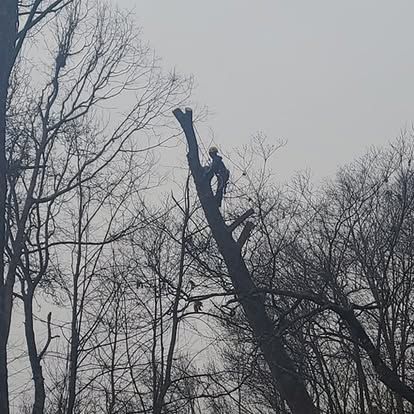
x=8 y=33
x=289 y=383
x=73 y=355
x=166 y=382
x=35 y=360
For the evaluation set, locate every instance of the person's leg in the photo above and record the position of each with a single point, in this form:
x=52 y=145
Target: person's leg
x=219 y=191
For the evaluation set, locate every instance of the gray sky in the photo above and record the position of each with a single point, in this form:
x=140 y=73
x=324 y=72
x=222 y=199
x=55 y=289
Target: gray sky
x=330 y=77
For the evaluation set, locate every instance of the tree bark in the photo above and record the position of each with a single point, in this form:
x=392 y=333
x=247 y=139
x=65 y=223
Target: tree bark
x=386 y=375
x=289 y=383
x=74 y=348
x=35 y=360
x=8 y=33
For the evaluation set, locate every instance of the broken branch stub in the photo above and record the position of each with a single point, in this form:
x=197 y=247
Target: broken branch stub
x=245 y=234
x=239 y=220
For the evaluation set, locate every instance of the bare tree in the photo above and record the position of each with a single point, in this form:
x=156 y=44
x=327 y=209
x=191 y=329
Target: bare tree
x=12 y=16
x=335 y=267
x=56 y=147
x=281 y=365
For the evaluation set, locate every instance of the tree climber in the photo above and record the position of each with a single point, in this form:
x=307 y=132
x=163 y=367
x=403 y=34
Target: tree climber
x=218 y=168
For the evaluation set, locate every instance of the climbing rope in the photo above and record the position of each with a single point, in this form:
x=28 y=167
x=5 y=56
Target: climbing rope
x=199 y=139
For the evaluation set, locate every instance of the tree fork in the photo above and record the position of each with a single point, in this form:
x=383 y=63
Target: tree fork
x=289 y=383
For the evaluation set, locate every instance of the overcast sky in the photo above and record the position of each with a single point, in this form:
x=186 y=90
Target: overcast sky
x=330 y=77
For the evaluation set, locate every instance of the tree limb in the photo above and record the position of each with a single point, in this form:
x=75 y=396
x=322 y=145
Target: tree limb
x=239 y=220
